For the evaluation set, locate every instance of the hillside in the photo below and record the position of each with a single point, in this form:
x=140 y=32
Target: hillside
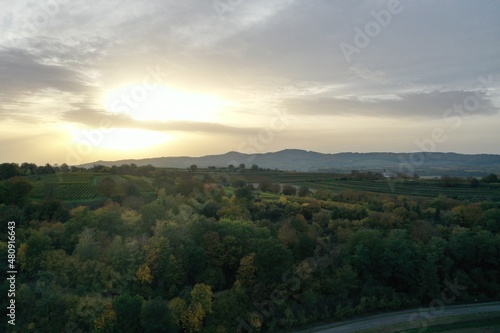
x=301 y=160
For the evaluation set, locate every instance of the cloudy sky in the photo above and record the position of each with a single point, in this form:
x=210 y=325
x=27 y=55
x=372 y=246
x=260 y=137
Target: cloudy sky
x=89 y=80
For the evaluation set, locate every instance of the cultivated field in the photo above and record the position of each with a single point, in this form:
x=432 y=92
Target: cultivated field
x=81 y=186
x=416 y=188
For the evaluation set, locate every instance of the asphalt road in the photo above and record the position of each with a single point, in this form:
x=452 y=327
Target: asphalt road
x=412 y=316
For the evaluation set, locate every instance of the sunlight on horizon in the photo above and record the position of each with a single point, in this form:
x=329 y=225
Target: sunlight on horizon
x=163 y=104
x=119 y=139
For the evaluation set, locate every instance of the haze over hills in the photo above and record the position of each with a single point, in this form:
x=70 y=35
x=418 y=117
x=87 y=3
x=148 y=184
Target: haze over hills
x=424 y=163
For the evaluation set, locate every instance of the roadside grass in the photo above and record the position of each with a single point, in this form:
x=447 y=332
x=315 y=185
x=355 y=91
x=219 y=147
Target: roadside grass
x=475 y=323
x=488 y=321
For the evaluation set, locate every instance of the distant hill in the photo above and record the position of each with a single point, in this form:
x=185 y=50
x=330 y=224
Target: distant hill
x=428 y=163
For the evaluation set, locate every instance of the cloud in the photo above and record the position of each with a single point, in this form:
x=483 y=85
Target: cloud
x=24 y=73
x=262 y=56
x=97 y=119
x=426 y=105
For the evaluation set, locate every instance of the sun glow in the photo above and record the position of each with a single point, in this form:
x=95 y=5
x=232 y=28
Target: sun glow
x=119 y=139
x=163 y=104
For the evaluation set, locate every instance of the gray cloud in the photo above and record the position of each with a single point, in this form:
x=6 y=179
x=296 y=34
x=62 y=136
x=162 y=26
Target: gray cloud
x=24 y=73
x=427 y=105
x=262 y=56
x=98 y=119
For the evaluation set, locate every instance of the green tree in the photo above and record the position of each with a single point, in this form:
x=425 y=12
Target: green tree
x=177 y=306
x=364 y=250
x=15 y=191
x=491 y=178
x=265 y=185
x=106 y=186
x=272 y=259
x=8 y=170
x=151 y=213
x=192 y=318
x=210 y=208
x=32 y=252
x=166 y=268
x=119 y=256
x=156 y=317
x=303 y=191
x=397 y=261
x=244 y=193
x=87 y=248
x=41 y=307
x=128 y=312
x=214 y=249
x=87 y=310
x=228 y=306
x=246 y=275
x=491 y=219
x=473 y=182
x=202 y=294
x=289 y=190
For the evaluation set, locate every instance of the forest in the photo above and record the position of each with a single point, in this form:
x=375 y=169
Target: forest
x=211 y=250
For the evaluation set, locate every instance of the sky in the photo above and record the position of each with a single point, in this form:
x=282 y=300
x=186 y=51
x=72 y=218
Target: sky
x=82 y=81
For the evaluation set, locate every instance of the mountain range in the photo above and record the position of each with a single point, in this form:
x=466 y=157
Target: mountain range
x=422 y=163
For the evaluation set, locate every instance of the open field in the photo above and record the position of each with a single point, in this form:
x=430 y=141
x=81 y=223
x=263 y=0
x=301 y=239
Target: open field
x=144 y=184
x=81 y=185
x=417 y=188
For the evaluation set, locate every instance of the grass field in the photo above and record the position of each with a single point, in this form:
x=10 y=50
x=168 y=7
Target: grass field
x=82 y=185
x=418 y=188
x=485 y=323
x=482 y=322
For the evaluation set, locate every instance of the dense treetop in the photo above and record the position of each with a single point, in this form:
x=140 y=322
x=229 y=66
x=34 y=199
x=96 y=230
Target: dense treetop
x=215 y=252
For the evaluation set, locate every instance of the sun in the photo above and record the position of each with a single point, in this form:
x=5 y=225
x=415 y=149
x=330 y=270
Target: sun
x=127 y=139
x=163 y=104
x=117 y=139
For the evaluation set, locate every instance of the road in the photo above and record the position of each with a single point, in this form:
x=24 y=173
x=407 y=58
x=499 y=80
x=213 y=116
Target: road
x=411 y=316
